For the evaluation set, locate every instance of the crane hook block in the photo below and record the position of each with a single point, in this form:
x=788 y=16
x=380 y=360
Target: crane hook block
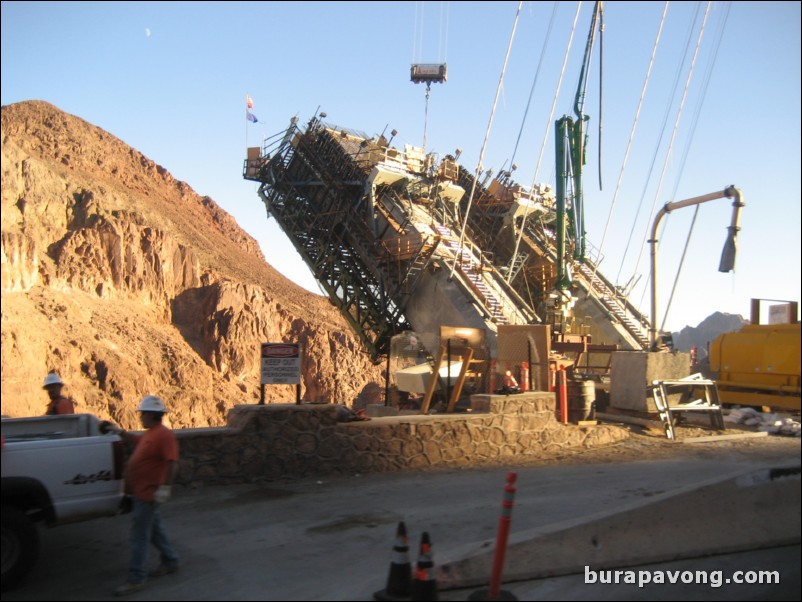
x=428 y=73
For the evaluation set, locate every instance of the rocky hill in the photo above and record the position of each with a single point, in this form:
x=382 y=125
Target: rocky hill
x=707 y=331
x=128 y=283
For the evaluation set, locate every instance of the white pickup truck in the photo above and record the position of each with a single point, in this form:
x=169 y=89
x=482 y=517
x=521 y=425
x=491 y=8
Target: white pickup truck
x=55 y=470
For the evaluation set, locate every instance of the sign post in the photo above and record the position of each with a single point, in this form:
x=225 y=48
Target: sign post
x=281 y=365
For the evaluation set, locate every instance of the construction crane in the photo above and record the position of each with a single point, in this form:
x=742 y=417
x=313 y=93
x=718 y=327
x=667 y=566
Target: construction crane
x=376 y=226
x=570 y=145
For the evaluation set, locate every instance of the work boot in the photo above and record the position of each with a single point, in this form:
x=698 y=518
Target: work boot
x=129 y=588
x=163 y=569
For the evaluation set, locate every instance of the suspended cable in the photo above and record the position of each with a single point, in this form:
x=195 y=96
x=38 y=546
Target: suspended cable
x=705 y=86
x=442 y=48
x=426 y=113
x=415 y=34
x=440 y=36
x=601 y=91
x=420 y=30
x=659 y=142
x=427 y=79
x=703 y=95
x=676 y=125
x=534 y=81
x=420 y=8
x=556 y=94
x=448 y=19
x=487 y=135
x=546 y=133
x=632 y=133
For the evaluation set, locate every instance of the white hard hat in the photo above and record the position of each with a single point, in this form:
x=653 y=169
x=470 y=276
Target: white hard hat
x=52 y=379
x=151 y=403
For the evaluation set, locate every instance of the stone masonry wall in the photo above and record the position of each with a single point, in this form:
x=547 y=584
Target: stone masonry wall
x=278 y=441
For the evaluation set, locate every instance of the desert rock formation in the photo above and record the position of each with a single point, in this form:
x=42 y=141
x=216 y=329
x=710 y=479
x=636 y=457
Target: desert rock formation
x=127 y=282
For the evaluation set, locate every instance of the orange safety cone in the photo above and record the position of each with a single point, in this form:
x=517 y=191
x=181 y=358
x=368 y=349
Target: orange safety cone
x=424 y=584
x=509 y=380
x=524 y=376
x=399 y=582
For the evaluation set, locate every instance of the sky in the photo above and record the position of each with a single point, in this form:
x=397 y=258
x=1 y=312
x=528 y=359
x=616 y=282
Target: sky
x=721 y=107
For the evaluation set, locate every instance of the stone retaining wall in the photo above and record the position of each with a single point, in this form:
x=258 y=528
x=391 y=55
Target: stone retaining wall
x=293 y=441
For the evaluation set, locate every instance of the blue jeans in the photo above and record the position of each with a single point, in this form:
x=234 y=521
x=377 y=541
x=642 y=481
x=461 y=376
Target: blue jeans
x=146 y=527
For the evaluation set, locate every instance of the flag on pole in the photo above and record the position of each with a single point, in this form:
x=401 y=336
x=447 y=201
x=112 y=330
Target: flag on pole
x=248 y=106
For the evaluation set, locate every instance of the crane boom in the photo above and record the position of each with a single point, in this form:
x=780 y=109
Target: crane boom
x=570 y=144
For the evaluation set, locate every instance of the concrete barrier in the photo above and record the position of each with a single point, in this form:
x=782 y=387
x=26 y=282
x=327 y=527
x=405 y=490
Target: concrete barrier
x=752 y=510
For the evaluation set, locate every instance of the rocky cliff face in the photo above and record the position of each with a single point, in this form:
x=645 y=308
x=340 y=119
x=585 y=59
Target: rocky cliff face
x=707 y=331
x=128 y=283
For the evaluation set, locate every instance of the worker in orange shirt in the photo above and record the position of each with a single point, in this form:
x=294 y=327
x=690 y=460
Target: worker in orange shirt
x=59 y=404
x=149 y=478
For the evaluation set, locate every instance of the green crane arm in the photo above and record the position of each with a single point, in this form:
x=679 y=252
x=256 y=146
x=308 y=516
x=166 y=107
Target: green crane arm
x=571 y=141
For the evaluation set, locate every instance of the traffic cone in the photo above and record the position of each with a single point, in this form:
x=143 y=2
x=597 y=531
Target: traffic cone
x=399 y=581
x=424 y=584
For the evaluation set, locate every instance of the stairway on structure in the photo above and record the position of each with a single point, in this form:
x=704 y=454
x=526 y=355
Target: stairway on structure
x=600 y=290
x=473 y=273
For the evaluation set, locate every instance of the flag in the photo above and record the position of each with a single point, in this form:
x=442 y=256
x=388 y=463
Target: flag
x=249 y=101
x=250 y=117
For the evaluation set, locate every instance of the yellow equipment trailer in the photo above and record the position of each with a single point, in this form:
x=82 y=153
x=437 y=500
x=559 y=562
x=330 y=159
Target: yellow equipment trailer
x=759 y=366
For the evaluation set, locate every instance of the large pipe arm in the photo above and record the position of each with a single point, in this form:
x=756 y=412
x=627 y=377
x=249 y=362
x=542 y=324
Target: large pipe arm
x=727 y=263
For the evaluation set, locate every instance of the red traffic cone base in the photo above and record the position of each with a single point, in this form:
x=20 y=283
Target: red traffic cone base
x=424 y=584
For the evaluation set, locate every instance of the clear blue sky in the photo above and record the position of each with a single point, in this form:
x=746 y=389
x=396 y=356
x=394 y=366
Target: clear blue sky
x=170 y=79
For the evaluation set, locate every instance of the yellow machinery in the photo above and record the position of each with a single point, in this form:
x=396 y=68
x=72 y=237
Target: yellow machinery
x=759 y=365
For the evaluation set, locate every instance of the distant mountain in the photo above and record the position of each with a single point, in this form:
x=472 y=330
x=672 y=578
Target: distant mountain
x=707 y=331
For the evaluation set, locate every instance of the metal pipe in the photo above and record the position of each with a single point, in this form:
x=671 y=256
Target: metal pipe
x=727 y=263
x=729 y=248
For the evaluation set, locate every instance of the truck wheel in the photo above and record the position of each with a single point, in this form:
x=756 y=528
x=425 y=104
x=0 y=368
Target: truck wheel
x=20 y=546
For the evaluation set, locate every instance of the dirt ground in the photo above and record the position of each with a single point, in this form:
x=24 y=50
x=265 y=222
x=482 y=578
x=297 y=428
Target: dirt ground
x=646 y=444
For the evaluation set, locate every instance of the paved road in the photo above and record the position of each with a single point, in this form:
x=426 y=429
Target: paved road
x=332 y=538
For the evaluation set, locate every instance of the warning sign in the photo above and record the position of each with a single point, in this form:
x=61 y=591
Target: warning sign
x=281 y=364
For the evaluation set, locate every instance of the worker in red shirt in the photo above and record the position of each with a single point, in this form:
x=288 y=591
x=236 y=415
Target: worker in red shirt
x=149 y=477
x=59 y=404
